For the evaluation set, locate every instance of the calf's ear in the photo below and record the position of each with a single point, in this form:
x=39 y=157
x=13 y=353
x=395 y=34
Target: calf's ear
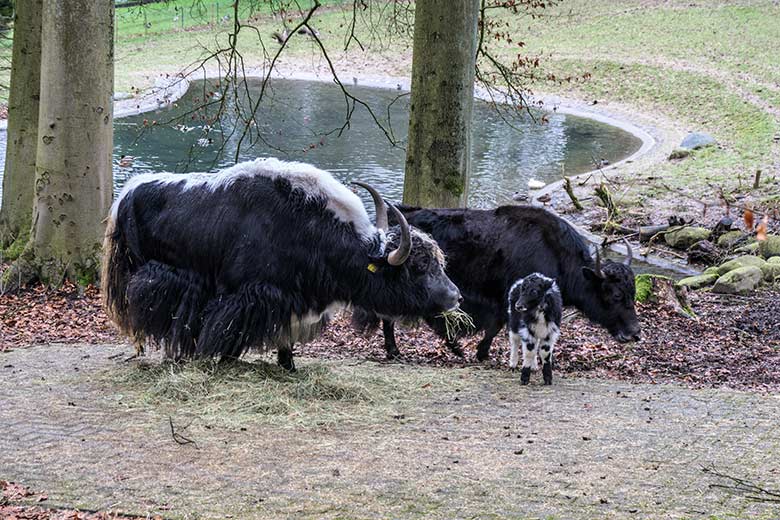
x=591 y=274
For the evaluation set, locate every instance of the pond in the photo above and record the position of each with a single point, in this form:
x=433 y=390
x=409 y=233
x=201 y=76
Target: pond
x=298 y=119
x=297 y=115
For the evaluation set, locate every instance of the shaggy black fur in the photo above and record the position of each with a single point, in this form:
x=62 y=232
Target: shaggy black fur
x=207 y=272
x=487 y=250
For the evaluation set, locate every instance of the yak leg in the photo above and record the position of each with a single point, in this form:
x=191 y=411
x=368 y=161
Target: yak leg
x=483 y=349
x=284 y=356
x=529 y=361
x=546 y=352
x=515 y=343
x=388 y=331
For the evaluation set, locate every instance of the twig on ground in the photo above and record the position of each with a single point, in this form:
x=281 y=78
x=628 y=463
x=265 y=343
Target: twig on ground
x=750 y=490
x=180 y=439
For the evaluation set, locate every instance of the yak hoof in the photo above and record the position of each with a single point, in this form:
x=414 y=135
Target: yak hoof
x=393 y=354
x=483 y=355
x=285 y=359
x=547 y=373
x=525 y=375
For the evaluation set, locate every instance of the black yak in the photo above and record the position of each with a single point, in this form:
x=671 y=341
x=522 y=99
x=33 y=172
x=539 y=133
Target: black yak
x=488 y=250
x=258 y=254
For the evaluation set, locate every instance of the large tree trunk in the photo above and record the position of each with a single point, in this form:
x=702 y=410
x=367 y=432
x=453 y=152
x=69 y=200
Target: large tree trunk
x=19 y=176
x=438 y=156
x=73 y=187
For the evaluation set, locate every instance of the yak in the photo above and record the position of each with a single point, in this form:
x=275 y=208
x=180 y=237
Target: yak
x=488 y=250
x=259 y=254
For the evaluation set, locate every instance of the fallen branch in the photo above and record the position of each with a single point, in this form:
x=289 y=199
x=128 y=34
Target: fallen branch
x=751 y=491
x=608 y=241
x=570 y=192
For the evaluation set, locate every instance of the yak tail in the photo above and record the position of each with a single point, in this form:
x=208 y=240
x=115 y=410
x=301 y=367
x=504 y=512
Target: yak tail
x=119 y=263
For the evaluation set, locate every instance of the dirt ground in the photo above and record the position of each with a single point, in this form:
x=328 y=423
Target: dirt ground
x=445 y=443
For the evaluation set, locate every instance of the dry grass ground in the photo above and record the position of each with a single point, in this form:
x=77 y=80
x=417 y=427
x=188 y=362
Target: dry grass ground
x=361 y=440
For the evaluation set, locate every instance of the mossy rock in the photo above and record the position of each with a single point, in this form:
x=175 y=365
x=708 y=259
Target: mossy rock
x=699 y=281
x=679 y=153
x=773 y=260
x=739 y=281
x=769 y=247
x=750 y=249
x=771 y=271
x=713 y=269
x=685 y=237
x=730 y=238
x=644 y=287
x=741 y=261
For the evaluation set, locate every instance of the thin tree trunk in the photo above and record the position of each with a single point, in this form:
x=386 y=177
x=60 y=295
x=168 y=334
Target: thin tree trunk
x=73 y=181
x=19 y=176
x=438 y=156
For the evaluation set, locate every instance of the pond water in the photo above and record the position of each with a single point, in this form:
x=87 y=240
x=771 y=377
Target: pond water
x=299 y=117
x=297 y=122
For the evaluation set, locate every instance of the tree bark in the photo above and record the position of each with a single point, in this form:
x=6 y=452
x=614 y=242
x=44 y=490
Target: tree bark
x=438 y=156
x=19 y=176
x=73 y=179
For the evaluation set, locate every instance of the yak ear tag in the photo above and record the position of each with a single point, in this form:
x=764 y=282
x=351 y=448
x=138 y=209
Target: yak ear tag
x=372 y=267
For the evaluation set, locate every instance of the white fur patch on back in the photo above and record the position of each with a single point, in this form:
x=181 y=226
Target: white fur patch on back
x=311 y=180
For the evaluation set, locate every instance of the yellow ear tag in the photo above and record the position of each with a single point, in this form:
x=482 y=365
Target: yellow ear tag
x=372 y=267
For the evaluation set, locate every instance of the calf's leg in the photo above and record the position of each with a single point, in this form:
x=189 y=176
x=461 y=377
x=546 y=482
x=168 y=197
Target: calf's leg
x=529 y=361
x=546 y=352
x=515 y=343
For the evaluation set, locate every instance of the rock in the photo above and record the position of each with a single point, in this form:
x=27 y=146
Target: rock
x=740 y=262
x=697 y=282
x=730 y=238
x=121 y=96
x=773 y=260
x=750 y=249
x=696 y=140
x=771 y=271
x=739 y=281
x=704 y=252
x=712 y=270
x=685 y=237
x=770 y=246
x=679 y=153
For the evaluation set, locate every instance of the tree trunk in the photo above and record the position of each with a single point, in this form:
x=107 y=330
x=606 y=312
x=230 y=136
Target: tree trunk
x=438 y=156
x=19 y=176
x=73 y=187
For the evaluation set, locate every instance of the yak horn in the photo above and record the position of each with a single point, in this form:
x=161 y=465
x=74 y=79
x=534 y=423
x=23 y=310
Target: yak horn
x=399 y=256
x=379 y=205
x=598 y=264
x=629 y=252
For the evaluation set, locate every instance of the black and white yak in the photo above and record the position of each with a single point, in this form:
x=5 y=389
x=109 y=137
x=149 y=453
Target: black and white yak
x=488 y=250
x=211 y=265
x=534 y=310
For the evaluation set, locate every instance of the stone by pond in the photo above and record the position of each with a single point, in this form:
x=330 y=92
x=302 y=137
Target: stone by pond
x=685 y=237
x=742 y=280
x=740 y=275
x=697 y=140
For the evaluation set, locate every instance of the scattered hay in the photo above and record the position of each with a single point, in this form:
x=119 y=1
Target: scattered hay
x=240 y=392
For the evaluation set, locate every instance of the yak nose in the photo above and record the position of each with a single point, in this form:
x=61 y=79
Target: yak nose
x=460 y=299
